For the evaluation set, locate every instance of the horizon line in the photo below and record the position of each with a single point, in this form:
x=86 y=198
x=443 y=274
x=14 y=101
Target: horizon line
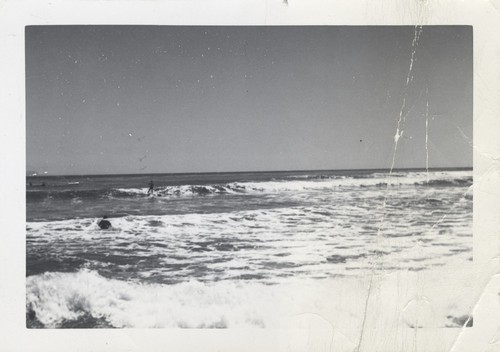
x=248 y=171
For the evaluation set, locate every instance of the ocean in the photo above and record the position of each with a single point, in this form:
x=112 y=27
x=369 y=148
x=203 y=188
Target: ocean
x=250 y=250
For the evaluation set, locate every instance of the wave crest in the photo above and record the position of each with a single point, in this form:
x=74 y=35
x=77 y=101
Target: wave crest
x=58 y=299
x=316 y=182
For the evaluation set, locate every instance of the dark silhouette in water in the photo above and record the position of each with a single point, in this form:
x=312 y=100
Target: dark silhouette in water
x=104 y=224
x=151 y=187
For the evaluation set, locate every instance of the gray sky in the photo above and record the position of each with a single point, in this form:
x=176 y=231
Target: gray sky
x=146 y=99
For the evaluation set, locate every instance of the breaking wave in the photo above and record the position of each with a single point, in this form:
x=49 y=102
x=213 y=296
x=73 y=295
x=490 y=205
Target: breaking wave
x=86 y=299
x=315 y=182
x=70 y=299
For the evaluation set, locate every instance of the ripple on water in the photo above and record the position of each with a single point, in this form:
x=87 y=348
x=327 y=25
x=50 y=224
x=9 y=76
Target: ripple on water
x=460 y=250
x=343 y=258
x=282 y=254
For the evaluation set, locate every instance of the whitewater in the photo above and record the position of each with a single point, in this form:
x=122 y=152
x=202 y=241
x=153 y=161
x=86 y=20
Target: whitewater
x=249 y=250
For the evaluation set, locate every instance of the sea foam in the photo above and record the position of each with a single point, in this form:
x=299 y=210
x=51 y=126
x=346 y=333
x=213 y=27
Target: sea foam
x=405 y=298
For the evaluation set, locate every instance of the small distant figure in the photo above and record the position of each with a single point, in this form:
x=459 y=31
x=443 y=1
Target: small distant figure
x=104 y=224
x=151 y=188
x=31 y=184
x=43 y=184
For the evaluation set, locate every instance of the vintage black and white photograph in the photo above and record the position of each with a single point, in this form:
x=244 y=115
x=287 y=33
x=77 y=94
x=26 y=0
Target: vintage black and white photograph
x=237 y=176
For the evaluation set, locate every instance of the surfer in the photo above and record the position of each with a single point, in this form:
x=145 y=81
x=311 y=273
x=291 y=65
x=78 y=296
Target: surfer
x=104 y=224
x=151 y=188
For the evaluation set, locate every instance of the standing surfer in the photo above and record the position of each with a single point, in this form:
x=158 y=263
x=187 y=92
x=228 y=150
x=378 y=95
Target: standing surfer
x=151 y=188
